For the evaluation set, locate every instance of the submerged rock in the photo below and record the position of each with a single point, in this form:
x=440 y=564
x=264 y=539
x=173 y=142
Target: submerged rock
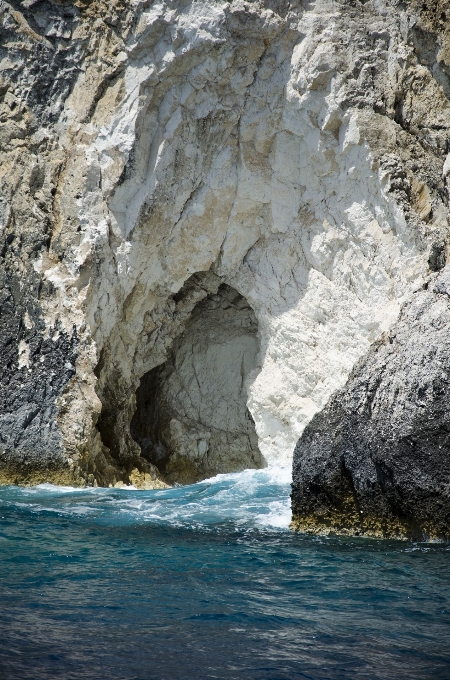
x=155 y=155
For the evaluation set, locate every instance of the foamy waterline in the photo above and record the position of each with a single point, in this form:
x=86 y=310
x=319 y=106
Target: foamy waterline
x=251 y=499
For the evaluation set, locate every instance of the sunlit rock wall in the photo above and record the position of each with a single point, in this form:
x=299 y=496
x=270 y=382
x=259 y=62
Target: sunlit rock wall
x=295 y=150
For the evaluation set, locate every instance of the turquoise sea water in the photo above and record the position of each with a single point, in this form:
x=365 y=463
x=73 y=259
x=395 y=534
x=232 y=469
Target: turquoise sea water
x=206 y=581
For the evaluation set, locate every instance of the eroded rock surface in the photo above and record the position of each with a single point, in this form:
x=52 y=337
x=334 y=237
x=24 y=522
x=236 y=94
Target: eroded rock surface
x=376 y=460
x=296 y=151
x=192 y=419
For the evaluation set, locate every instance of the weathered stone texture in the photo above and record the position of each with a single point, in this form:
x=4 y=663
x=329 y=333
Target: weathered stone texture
x=375 y=460
x=191 y=419
x=296 y=151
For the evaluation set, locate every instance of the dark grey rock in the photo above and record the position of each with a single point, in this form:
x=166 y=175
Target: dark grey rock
x=376 y=460
x=437 y=257
x=30 y=440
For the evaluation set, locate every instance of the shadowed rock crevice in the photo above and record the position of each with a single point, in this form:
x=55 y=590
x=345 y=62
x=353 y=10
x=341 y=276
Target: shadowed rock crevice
x=192 y=419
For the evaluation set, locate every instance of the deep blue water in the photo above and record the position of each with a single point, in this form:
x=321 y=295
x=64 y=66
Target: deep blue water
x=206 y=581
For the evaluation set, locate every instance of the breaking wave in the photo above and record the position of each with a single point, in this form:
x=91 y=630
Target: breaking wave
x=257 y=499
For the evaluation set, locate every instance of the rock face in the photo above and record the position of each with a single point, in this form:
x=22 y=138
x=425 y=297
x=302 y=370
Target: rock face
x=191 y=416
x=156 y=156
x=376 y=460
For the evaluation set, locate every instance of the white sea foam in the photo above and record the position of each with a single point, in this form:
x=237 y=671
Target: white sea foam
x=51 y=488
x=253 y=499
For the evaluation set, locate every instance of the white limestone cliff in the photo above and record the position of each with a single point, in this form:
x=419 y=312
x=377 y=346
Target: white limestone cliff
x=294 y=150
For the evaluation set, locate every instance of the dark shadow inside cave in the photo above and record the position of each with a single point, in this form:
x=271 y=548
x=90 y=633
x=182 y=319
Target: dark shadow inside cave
x=191 y=418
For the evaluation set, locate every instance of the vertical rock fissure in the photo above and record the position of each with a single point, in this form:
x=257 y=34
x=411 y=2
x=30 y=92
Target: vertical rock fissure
x=191 y=418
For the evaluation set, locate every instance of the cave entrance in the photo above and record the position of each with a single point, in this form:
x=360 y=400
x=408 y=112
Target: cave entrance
x=191 y=418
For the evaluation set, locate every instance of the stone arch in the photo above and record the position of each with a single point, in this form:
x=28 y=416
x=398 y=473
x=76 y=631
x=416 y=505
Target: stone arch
x=191 y=417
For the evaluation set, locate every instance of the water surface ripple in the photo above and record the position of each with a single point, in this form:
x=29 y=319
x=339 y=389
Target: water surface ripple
x=206 y=581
